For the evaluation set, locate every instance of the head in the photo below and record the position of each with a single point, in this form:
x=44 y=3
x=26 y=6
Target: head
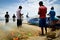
x=6 y=12
x=20 y=7
x=52 y=8
x=41 y=3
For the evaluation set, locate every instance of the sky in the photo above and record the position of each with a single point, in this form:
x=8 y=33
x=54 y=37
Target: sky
x=29 y=6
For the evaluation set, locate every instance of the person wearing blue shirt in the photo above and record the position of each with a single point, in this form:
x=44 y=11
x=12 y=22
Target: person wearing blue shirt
x=52 y=14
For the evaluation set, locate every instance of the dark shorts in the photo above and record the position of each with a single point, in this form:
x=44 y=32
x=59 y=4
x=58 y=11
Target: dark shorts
x=42 y=22
x=19 y=22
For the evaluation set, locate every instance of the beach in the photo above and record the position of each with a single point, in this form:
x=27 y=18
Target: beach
x=25 y=32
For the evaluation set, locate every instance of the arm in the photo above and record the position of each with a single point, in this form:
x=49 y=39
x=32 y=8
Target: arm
x=39 y=11
x=8 y=16
x=55 y=13
x=46 y=10
x=15 y=16
x=49 y=14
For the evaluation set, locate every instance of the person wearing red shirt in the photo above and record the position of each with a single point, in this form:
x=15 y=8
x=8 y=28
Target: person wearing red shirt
x=42 y=16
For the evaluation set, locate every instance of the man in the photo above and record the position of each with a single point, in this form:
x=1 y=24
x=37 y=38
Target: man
x=6 y=17
x=42 y=15
x=19 y=15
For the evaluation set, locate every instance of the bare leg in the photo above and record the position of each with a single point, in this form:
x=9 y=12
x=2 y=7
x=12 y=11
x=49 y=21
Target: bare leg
x=42 y=30
x=46 y=30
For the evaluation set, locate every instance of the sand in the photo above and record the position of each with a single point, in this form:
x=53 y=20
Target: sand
x=26 y=31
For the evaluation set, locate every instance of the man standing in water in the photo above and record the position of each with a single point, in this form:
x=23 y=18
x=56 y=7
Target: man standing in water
x=19 y=16
x=6 y=17
x=13 y=17
x=42 y=15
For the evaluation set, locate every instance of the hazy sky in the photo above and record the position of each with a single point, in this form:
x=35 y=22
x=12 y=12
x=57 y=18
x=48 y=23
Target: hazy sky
x=29 y=6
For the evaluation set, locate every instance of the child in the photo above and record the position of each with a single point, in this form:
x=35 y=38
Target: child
x=13 y=17
x=52 y=14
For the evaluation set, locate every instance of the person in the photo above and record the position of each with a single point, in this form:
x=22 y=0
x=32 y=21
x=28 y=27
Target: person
x=52 y=14
x=6 y=17
x=19 y=16
x=13 y=17
x=42 y=16
x=27 y=17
